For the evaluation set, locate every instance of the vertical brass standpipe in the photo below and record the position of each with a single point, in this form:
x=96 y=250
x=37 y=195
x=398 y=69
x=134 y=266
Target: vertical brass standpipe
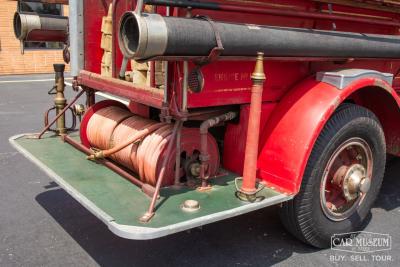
x=253 y=129
x=59 y=101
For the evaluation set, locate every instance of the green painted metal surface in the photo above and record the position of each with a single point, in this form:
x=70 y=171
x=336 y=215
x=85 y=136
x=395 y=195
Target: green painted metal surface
x=122 y=200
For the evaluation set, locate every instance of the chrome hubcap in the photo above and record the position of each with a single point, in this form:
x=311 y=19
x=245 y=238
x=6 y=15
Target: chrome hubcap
x=351 y=184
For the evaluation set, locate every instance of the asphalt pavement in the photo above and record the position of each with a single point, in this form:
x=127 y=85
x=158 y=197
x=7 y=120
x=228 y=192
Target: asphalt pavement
x=41 y=225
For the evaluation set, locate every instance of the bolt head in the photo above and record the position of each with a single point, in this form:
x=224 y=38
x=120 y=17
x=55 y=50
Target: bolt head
x=190 y=205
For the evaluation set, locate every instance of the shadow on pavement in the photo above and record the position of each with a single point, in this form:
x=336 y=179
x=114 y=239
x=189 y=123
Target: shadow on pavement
x=389 y=198
x=257 y=238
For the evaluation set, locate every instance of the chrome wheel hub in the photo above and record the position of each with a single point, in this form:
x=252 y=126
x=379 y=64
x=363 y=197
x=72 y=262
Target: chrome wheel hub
x=352 y=181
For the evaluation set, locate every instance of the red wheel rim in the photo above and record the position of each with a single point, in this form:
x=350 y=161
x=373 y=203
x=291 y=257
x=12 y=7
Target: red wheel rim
x=346 y=179
x=190 y=144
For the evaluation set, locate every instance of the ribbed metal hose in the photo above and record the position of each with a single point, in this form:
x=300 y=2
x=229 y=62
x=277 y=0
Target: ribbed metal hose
x=154 y=36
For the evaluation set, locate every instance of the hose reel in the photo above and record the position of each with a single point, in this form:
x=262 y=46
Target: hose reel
x=109 y=123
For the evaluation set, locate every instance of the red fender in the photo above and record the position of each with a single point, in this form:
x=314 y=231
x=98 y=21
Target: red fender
x=296 y=123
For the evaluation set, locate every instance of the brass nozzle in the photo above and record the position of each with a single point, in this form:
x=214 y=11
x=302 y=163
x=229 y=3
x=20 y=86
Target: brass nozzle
x=258 y=73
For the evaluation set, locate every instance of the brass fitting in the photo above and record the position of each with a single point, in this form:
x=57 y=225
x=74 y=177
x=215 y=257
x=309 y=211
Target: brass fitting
x=96 y=155
x=258 y=75
x=79 y=110
x=59 y=101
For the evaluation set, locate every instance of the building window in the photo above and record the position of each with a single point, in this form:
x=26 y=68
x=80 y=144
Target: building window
x=41 y=8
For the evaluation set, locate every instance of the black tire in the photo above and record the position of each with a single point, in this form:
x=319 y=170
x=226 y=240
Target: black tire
x=303 y=216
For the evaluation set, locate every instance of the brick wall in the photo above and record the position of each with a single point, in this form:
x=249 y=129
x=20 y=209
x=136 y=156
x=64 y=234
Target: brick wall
x=11 y=59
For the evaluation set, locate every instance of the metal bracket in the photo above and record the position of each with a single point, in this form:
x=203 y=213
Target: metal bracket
x=342 y=78
x=331 y=12
x=244 y=196
x=47 y=115
x=216 y=51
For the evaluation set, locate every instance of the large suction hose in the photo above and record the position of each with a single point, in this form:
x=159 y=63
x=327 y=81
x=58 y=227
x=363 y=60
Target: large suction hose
x=154 y=36
x=40 y=28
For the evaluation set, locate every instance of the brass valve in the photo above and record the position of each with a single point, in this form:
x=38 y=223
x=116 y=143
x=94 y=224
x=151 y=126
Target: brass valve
x=59 y=101
x=79 y=110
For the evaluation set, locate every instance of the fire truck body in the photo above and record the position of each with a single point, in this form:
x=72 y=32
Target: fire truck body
x=327 y=114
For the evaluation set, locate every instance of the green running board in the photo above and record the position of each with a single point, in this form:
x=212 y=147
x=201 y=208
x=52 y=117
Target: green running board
x=120 y=204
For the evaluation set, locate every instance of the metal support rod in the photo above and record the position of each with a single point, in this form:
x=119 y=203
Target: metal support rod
x=165 y=96
x=178 y=157
x=139 y=7
x=76 y=39
x=272 y=11
x=185 y=86
x=113 y=37
x=165 y=63
x=204 y=156
x=124 y=65
x=60 y=114
x=152 y=73
x=165 y=113
x=146 y=188
x=90 y=97
x=253 y=129
x=185 y=75
x=150 y=212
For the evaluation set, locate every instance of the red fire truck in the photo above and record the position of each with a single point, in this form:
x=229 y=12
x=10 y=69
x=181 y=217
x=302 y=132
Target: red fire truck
x=229 y=106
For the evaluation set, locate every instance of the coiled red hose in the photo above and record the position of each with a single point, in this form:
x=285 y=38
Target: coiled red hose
x=116 y=132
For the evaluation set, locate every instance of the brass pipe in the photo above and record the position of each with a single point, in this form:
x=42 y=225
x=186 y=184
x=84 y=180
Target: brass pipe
x=62 y=112
x=204 y=156
x=59 y=101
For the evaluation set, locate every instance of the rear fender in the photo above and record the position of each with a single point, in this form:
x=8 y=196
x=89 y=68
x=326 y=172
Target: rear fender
x=289 y=136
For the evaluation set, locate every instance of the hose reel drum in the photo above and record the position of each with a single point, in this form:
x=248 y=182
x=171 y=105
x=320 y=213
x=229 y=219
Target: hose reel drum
x=109 y=122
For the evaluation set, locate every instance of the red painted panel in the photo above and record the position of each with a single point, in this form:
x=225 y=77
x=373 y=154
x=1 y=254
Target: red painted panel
x=235 y=137
x=93 y=13
x=228 y=82
x=94 y=10
x=139 y=109
x=141 y=94
x=46 y=36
